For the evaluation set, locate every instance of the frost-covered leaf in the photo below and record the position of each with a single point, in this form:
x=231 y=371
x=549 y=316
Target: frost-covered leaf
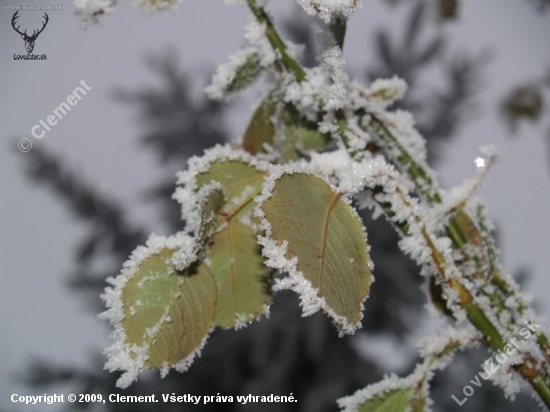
x=325 y=235
x=386 y=91
x=246 y=73
x=242 y=69
x=260 y=130
x=169 y=311
x=161 y=316
x=300 y=136
x=326 y=10
x=392 y=394
x=394 y=401
x=240 y=181
x=242 y=278
x=234 y=257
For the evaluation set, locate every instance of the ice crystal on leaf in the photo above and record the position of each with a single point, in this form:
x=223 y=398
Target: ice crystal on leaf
x=326 y=10
x=239 y=72
x=384 y=92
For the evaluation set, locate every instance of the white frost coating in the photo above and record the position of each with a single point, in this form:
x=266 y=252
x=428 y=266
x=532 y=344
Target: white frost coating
x=402 y=124
x=327 y=9
x=122 y=356
x=490 y=151
x=466 y=336
x=385 y=92
x=156 y=5
x=436 y=357
x=243 y=320
x=335 y=96
x=327 y=83
x=186 y=254
x=255 y=34
x=226 y=73
x=459 y=196
x=388 y=384
x=90 y=11
x=186 y=194
x=247 y=192
x=259 y=47
x=275 y=252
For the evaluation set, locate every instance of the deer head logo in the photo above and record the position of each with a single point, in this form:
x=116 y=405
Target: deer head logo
x=29 y=40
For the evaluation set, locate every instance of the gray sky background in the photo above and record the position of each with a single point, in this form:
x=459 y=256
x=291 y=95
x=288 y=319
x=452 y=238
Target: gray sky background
x=40 y=317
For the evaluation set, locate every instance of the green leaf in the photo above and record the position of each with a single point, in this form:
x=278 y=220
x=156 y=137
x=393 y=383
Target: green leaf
x=243 y=281
x=394 y=401
x=241 y=276
x=260 y=130
x=246 y=74
x=241 y=183
x=326 y=236
x=301 y=136
x=169 y=311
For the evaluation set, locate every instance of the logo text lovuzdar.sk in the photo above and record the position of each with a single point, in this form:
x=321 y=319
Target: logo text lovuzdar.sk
x=29 y=39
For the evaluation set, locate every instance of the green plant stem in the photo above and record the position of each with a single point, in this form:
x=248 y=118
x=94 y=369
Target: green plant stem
x=535 y=377
x=276 y=42
x=426 y=186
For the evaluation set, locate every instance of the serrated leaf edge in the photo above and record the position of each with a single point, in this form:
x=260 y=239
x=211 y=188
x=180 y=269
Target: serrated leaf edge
x=275 y=252
x=187 y=191
x=121 y=355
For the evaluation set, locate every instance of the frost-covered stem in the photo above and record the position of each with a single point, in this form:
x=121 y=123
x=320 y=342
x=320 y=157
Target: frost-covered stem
x=419 y=176
x=503 y=284
x=276 y=42
x=426 y=187
x=536 y=377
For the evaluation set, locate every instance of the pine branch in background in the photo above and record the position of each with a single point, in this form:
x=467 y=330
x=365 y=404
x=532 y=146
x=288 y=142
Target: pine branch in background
x=110 y=234
x=541 y=5
x=440 y=112
x=528 y=103
x=177 y=125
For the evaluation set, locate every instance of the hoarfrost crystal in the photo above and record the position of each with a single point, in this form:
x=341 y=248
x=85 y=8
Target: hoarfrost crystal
x=326 y=10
